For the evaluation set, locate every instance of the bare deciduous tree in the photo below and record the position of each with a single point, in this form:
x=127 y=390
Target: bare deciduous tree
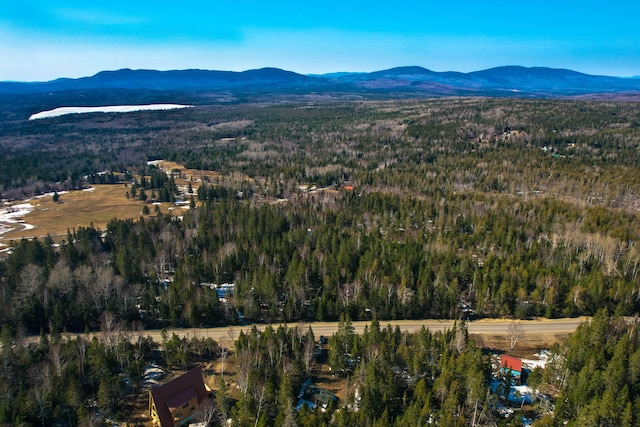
x=111 y=329
x=82 y=345
x=244 y=363
x=515 y=331
x=460 y=338
x=207 y=412
x=345 y=293
x=57 y=359
x=41 y=384
x=84 y=279
x=224 y=352
x=309 y=348
x=289 y=415
x=30 y=289
x=260 y=394
x=103 y=286
x=60 y=278
x=405 y=295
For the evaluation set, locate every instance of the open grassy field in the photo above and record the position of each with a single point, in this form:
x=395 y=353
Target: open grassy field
x=75 y=209
x=99 y=205
x=185 y=174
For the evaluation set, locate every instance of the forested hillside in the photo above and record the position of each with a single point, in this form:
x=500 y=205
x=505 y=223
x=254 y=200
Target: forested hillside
x=387 y=377
x=361 y=210
x=403 y=209
x=400 y=258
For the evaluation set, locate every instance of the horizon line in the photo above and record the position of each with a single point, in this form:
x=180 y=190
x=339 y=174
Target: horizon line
x=313 y=74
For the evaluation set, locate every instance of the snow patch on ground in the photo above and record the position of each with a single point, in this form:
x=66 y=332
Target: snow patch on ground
x=152 y=375
x=61 y=111
x=12 y=215
x=518 y=394
x=540 y=362
x=50 y=194
x=522 y=389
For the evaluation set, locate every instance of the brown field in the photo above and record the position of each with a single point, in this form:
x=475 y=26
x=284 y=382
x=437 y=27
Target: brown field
x=184 y=175
x=187 y=174
x=100 y=205
x=79 y=209
x=526 y=347
x=105 y=202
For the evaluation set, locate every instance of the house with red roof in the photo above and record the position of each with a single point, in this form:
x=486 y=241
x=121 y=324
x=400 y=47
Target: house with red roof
x=511 y=365
x=510 y=362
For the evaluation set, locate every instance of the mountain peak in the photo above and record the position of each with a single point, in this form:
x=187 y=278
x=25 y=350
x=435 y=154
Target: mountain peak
x=510 y=80
x=520 y=71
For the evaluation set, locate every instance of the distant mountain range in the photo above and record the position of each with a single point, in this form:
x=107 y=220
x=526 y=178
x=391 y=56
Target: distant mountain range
x=401 y=81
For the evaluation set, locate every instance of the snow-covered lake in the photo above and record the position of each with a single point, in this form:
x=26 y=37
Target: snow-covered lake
x=61 y=111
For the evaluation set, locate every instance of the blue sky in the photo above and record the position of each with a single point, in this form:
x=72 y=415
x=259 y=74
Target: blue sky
x=45 y=39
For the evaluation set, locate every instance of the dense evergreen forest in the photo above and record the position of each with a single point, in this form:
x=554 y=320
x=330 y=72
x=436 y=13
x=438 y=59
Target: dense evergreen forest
x=503 y=207
x=375 y=252
x=379 y=209
x=392 y=378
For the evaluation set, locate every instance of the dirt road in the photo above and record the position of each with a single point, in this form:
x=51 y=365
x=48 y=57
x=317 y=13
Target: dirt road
x=491 y=329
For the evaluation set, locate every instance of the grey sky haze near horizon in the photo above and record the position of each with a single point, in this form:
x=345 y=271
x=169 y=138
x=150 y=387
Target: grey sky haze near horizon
x=42 y=40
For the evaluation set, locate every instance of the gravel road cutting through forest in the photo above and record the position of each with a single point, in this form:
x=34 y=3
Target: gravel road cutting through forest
x=484 y=327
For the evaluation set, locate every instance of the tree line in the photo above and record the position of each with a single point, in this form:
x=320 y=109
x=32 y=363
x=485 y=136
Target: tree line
x=326 y=254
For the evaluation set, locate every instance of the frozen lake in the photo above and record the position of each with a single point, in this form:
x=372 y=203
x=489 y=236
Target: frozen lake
x=61 y=111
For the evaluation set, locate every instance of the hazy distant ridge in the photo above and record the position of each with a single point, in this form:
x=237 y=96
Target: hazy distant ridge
x=507 y=80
